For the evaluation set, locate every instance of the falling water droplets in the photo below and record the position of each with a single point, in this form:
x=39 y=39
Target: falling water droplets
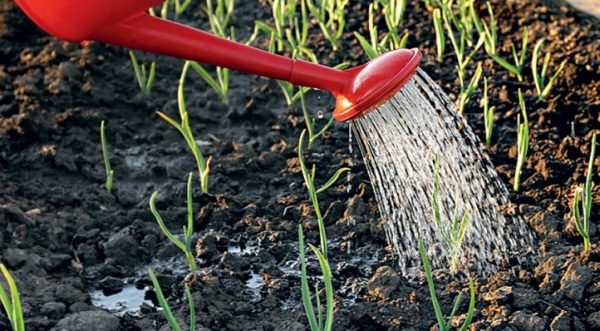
x=399 y=141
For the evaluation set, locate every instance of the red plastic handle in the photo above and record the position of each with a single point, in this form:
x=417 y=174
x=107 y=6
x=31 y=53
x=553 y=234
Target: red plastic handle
x=152 y=34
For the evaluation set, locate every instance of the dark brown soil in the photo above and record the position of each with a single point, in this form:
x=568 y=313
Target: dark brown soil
x=63 y=236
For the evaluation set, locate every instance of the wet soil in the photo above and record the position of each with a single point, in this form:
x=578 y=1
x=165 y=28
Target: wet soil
x=69 y=242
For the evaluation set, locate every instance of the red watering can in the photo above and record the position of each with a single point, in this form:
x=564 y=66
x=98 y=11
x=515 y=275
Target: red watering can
x=126 y=23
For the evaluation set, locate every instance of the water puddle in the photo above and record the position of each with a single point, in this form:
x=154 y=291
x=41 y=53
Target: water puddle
x=128 y=301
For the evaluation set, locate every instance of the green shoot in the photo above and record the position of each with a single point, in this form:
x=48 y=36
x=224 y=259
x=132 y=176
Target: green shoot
x=316 y=322
x=109 y=172
x=185 y=129
x=313 y=191
x=11 y=302
x=188 y=230
x=162 y=301
x=443 y=322
x=454 y=234
x=391 y=41
x=219 y=17
x=466 y=91
x=539 y=78
x=144 y=77
x=584 y=195
x=440 y=35
x=488 y=114
x=459 y=45
x=290 y=33
x=310 y=124
x=330 y=15
x=522 y=142
x=518 y=57
x=178 y=6
x=393 y=13
x=489 y=31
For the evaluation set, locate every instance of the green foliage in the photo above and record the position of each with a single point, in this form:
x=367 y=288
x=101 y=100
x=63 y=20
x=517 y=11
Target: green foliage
x=144 y=77
x=11 y=301
x=393 y=12
x=316 y=322
x=488 y=30
x=188 y=230
x=313 y=191
x=582 y=201
x=518 y=58
x=467 y=90
x=454 y=233
x=219 y=17
x=178 y=6
x=185 y=129
x=330 y=16
x=443 y=322
x=522 y=141
x=109 y=172
x=440 y=35
x=488 y=114
x=289 y=34
x=543 y=89
x=310 y=124
x=167 y=310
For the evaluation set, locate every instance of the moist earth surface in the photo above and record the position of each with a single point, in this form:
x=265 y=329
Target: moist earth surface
x=74 y=247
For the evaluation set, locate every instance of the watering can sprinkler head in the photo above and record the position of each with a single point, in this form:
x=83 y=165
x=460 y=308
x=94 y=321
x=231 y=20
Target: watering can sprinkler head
x=126 y=23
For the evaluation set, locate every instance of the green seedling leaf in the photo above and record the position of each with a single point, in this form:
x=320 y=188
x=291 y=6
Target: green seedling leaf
x=163 y=302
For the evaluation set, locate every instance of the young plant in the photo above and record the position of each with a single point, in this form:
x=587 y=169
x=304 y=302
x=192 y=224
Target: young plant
x=393 y=13
x=539 y=78
x=330 y=15
x=219 y=17
x=460 y=45
x=582 y=201
x=310 y=124
x=185 y=129
x=522 y=142
x=443 y=322
x=440 y=35
x=188 y=230
x=489 y=31
x=391 y=41
x=144 y=77
x=466 y=90
x=289 y=34
x=11 y=301
x=313 y=191
x=178 y=6
x=488 y=114
x=454 y=233
x=316 y=321
x=109 y=172
x=162 y=301
x=518 y=58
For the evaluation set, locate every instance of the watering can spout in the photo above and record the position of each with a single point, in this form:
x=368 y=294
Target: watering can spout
x=126 y=23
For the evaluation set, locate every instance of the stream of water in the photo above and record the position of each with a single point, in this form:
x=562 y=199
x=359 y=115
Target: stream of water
x=400 y=141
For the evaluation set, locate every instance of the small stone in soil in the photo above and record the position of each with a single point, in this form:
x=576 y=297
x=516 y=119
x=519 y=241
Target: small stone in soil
x=575 y=281
x=526 y=321
x=91 y=320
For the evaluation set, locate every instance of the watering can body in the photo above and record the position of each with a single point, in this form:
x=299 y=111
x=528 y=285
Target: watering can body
x=126 y=23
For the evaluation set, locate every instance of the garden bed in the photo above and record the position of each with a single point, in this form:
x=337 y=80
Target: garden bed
x=64 y=237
